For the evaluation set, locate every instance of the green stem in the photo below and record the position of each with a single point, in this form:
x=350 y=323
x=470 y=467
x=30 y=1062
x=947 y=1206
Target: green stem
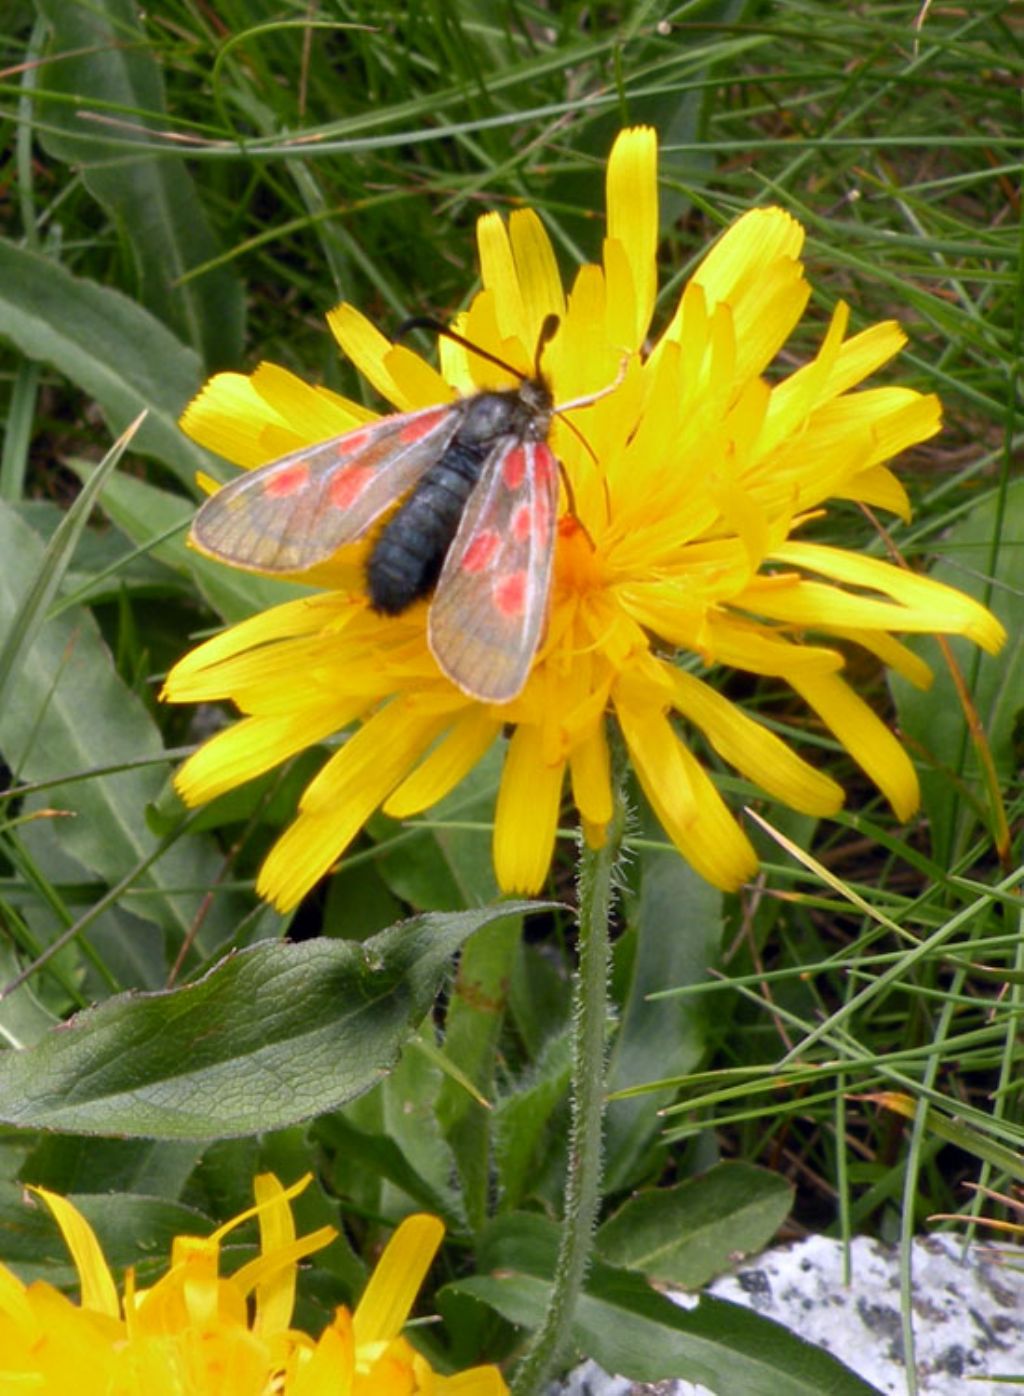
x=551 y=1340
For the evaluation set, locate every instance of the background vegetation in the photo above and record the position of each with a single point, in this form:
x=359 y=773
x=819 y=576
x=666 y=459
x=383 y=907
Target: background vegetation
x=191 y=190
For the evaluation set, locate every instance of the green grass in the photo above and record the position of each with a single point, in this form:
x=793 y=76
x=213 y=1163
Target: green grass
x=233 y=171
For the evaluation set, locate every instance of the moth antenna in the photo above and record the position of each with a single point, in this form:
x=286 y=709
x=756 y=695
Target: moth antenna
x=548 y=330
x=425 y=322
x=569 y=407
x=587 y=401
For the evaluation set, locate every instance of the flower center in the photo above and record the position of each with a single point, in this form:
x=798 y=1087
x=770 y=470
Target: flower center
x=577 y=565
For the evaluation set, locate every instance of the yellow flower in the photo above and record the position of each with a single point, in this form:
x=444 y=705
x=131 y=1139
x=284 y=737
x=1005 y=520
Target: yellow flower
x=194 y=1334
x=689 y=480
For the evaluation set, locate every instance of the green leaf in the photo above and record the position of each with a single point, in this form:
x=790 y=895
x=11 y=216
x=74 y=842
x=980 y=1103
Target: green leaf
x=676 y=921
x=114 y=350
x=407 y=1102
x=70 y=1163
x=23 y=1019
x=271 y=1036
x=635 y=1332
x=688 y=1234
x=98 y=52
x=476 y=1013
x=102 y=568
x=132 y=1230
x=68 y=712
x=43 y=582
x=934 y=720
x=521 y=1121
x=361 y=1154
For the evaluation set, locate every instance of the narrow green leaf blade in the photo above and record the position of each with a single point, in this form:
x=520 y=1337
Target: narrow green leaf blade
x=68 y=712
x=99 y=52
x=934 y=719
x=53 y=564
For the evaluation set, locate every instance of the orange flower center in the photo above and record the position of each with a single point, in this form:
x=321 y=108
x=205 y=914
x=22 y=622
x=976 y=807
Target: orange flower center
x=577 y=566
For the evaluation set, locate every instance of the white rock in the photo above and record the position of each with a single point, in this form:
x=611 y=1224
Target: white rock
x=968 y=1313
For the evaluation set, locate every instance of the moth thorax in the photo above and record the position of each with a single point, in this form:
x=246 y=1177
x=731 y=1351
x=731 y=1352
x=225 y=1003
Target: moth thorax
x=524 y=412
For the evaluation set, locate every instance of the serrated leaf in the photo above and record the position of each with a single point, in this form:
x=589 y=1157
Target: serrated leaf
x=98 y=51
x=114 y=350
x=272 y=1036
x=521 y=1120
x=634 y=1332
x=686 y=1235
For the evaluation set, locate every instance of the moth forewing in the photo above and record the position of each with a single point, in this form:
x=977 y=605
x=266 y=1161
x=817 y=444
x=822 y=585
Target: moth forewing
x=299 y=510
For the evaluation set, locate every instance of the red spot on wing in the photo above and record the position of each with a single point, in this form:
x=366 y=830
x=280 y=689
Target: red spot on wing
x=513 y=468
x=481 y=551
x=544 y=467
x=353 y=442
x=347 y=485
x=420 y=427
x=522 y=523
x=281 y=483
x=510 y=594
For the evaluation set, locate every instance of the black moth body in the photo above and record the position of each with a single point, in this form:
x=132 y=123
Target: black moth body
x=409 y=553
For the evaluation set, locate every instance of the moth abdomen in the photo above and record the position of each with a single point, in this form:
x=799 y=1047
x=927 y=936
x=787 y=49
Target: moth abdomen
x=407 y=558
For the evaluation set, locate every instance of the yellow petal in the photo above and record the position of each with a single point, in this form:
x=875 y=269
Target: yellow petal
x=687 y=805
x=15 y=1305
x=275 y=1297
x=306 y=616
x=656 y=754
x=454 y=756
x=99 y=1292
x=342 y=797
x=892 y=653
x=327 y=1370
x=752 y=749
x=395 y=1282
x=632 y=200
x=590 y=770
x=924 y=604
x=230 y=417
x=747 y=249
x=878 y=487
x=499 y=276
x=310 y=414
x=254 y=745
x=538 y=274
x=526 y=818
x=478 y=1381
x=388 y=367
x=864 y=736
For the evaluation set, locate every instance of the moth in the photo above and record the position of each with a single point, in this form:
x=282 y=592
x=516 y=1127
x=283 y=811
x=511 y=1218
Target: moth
x=476 y=485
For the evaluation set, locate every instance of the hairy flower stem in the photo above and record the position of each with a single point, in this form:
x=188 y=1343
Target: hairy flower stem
x=550 y=1342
